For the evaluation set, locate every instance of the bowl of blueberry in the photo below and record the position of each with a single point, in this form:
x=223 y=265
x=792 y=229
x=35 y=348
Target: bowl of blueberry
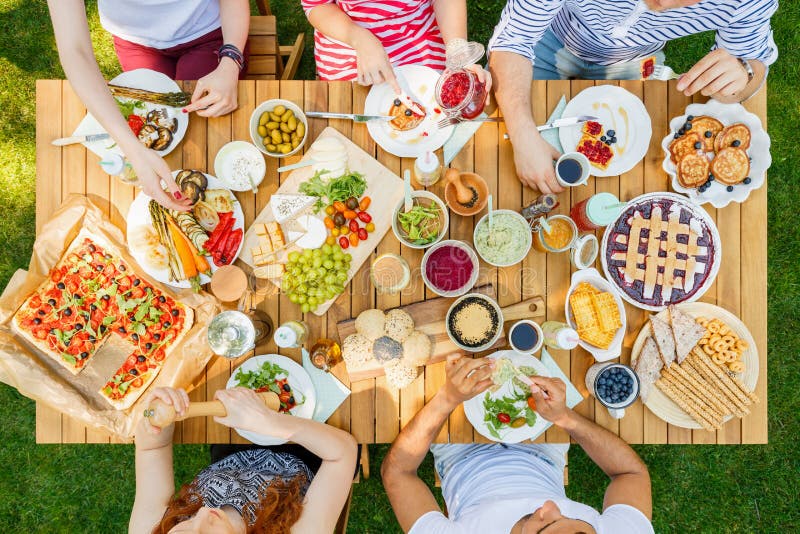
x=615 y=385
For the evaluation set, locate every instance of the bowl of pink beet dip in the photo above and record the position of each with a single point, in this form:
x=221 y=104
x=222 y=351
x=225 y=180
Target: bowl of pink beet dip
x=450 y=268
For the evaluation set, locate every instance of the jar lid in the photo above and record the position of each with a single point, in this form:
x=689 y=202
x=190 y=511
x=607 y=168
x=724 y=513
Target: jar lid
x=285 y=337
x=567 y=338
x=584 y=251
x=466 y=55
x=113 y=164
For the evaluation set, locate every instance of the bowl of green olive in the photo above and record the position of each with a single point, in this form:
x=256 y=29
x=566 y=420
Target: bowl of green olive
x=278 y=128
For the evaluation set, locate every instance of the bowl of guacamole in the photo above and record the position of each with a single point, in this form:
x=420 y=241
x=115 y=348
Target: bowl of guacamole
x=506 y=241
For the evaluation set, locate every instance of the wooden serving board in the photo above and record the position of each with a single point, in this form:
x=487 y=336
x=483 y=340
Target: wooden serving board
x=429 y=316
x=383 y=186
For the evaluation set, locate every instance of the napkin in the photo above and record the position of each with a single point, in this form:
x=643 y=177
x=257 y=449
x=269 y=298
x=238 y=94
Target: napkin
x=330 y=391
x=573 y=395
x=462 y=133
x=551 y=135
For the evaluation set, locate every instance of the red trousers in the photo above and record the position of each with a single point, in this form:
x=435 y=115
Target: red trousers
x=187 y=61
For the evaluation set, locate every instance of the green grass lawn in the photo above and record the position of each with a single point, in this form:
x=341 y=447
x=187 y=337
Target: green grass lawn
x=714 y=489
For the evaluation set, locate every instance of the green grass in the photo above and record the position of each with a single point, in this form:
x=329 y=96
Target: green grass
x=87 y=488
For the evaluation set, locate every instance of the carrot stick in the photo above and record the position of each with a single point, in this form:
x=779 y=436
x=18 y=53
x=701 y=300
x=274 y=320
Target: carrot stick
x=182 y=247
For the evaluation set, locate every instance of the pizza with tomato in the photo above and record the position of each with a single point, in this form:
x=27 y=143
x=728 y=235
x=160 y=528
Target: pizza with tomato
x=92 y=294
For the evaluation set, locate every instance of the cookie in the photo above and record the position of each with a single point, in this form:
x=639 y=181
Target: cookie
x=730 y=166
x=707 y=128
x=683 y=145
x=693 y=169
x=736 y=135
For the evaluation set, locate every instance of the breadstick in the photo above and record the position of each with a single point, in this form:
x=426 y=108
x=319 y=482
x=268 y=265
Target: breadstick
x=685 y=406
x=734 y=385
x=706 y=369
x=690 y=370
x=690 y=395
x=701 y=386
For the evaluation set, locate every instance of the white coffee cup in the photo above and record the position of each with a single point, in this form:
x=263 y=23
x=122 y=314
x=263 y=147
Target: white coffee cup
x=581 y=160
x=539 y=336
x=615 y=408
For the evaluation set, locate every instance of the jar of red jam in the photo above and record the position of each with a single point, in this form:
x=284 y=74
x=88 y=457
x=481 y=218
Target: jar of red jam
x=458 y=91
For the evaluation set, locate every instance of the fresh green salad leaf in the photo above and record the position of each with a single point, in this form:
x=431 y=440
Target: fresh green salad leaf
x=421 y=224
x=345 y=186
x=514 y=406
x=266 y=375
x=129 y=107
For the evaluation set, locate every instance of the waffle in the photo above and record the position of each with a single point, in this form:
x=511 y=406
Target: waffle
x=597 y=152
x=730 y=135
x=597 y=338
x=731 y=166
x=583 y=310
x=596 y=315
x=607 y=312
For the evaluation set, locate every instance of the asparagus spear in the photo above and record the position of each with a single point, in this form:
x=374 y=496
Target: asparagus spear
x=177 y=99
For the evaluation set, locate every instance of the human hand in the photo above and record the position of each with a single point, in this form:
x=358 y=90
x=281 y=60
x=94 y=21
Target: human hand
x=550 y=395
x=718 y=74
x=533 y=157
x=373 y=62
x=148 y=436
x=466 y=377
x=216 y=93
x=247 y=411
x=483 y=75
x=150 y=169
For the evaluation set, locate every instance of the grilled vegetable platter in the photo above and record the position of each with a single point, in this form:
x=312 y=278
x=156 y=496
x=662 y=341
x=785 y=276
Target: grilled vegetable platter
x=183 y=249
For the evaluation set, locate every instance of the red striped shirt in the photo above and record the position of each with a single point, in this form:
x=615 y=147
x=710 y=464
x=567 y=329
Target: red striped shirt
x=407 y=30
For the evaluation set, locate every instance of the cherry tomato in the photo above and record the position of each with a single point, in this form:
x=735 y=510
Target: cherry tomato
x=335 y=232
x=353 y=225
x=532 y=403
x=349 y=214
x=362 y=234
x=363 y=216
x=330 y=240
x=338 y=219
x=329 y=210
x=328 y=223
x=504 y=418
x=343 y=242
x=344 y=230
x=351 y=203
x=339 y=206
x=364 y=204
x=354 y=239
x=370 y=227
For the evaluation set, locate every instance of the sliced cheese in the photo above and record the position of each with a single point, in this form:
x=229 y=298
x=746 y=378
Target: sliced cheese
x=287 y=207
x=314 y=234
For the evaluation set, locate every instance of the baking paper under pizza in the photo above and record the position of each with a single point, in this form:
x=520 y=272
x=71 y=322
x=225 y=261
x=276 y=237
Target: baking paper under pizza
x=92 y=294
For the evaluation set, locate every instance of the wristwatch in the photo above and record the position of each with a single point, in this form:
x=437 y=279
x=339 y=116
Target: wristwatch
x=747 y=68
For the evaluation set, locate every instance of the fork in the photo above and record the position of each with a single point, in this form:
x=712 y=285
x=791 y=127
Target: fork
x=447 y=121
x=664 y=73
x=453 y=120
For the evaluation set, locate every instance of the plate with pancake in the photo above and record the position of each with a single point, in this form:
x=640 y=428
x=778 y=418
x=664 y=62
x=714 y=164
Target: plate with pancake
x=681 y=357
x=409 y=134
x=716 y=153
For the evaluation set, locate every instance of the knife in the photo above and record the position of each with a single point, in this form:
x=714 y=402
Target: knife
x=352 y=116
x=63 y=141
x=564 y=122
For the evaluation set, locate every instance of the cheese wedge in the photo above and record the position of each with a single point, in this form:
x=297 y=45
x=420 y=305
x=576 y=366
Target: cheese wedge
x=287 y=207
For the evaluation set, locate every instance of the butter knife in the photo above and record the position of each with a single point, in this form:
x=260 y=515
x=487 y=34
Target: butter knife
x=63 y=141
x=352 y=116
x=564 y=122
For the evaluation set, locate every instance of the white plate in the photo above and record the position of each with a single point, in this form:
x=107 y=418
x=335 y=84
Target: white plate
x=138 y=79
x=697 y=212
x=298 y=380
x=661 y=405
x=611 y=105
x=421 y=81
x=717 y=195
x=594 y=278
x=139 y=215
x=473 y=408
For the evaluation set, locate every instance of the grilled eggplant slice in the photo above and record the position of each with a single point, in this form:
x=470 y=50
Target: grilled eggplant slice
x=164 y=139
x=198 y=178
x=148 y=135
x=191 y=190
x=181 y=176
x=160 y=118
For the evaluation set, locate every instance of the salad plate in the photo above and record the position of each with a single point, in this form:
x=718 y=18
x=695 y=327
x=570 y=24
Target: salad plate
x=270 y=372
x=493 y=412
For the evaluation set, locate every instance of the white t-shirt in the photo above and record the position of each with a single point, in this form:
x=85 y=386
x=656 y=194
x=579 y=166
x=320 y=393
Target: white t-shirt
x=488 y=493
x=159 y=23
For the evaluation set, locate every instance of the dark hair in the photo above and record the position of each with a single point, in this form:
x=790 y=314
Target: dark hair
x=279 y=507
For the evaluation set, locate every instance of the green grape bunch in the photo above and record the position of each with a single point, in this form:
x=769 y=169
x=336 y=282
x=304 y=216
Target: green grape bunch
x=315 y=276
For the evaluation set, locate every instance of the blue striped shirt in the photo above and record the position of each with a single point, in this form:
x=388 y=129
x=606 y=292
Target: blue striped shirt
x=607 y=32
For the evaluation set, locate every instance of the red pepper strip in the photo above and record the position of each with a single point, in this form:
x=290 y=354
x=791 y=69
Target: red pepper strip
x=220 y=234
x=214 y=237
x=232 y=245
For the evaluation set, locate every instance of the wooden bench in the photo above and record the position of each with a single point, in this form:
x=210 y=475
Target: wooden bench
x=266 y=55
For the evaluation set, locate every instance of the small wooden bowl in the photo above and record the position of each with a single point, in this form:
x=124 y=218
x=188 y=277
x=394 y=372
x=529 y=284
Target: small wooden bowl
x=473 y=180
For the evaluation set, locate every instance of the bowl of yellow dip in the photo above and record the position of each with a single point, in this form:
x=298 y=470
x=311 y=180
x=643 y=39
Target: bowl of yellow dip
x=504 y=242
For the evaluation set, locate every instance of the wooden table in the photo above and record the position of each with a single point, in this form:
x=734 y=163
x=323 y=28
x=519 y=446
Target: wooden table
x=375 y=412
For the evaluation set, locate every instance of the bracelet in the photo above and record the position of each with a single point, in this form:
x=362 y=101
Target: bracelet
x=747 y=68
x=230 y=51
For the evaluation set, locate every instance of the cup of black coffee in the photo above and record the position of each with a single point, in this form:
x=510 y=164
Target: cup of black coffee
x=615 y=385
x=572 y=169
x=525 y=337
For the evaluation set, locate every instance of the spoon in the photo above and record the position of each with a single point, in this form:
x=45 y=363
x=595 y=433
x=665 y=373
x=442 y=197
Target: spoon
x=407 y=187
x=545 y=225
x=490 y=205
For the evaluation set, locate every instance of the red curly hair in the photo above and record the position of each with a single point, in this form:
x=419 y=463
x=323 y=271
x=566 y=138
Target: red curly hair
x=278 y=508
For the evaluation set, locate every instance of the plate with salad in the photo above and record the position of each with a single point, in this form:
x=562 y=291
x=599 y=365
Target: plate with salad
x=506 y=412
x=284 y=377
x=151 y=104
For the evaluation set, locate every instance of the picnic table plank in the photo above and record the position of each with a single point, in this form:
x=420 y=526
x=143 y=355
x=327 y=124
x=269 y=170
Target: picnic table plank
x=375 y=412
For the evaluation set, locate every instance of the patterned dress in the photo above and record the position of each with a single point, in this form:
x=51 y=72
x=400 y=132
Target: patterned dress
x=407 y=30
x=236 y=479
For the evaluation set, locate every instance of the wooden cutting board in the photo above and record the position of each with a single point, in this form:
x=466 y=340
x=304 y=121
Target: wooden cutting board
x=429 y=318
x=383 y=186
